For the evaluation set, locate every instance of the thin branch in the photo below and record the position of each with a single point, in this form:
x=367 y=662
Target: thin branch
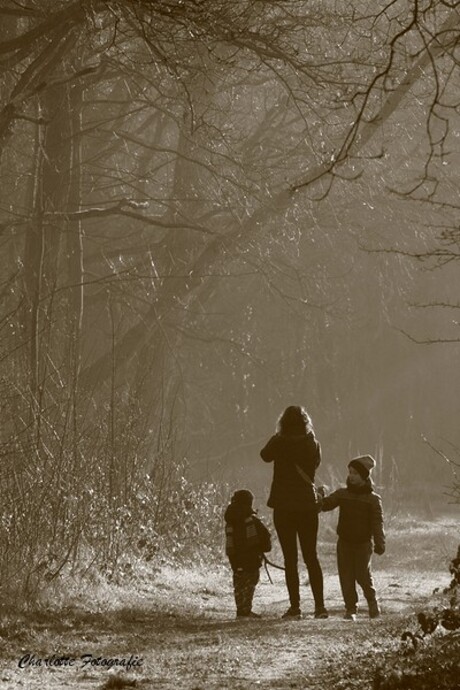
x=430 y=305
x=121 y=210
x=441 y=454
x=429 y=341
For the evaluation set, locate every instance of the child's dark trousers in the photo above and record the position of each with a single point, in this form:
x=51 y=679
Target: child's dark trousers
x=244 y=585
x=354 y=566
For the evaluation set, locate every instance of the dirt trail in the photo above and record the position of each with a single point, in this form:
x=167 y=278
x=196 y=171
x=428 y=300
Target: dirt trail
x=181 y=624
x=184 y=630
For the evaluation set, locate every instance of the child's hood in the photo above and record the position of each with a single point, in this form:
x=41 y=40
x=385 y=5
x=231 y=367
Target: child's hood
x=237 y=512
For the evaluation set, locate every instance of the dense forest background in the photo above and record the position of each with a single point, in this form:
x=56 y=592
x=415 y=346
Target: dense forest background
x=210 y=210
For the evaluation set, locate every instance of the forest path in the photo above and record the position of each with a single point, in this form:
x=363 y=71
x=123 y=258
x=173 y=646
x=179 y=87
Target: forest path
x=181 y=624
x=200 y=645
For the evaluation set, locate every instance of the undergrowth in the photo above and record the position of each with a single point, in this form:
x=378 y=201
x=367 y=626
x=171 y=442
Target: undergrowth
x=429 y=654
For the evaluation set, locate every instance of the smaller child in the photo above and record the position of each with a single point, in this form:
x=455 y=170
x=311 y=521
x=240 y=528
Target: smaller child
x=360 y=523
x=246 y=540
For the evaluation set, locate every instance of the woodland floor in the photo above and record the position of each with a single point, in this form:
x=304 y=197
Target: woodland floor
x=181 y=624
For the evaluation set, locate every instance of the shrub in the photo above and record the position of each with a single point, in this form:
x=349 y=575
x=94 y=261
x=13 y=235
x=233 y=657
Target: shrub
x=76 y=506
x=429 y=657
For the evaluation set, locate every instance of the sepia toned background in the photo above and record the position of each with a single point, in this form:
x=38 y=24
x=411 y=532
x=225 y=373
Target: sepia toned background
x=210 y=211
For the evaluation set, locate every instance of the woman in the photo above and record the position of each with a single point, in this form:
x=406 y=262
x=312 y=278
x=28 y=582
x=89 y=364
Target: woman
x=296 y=454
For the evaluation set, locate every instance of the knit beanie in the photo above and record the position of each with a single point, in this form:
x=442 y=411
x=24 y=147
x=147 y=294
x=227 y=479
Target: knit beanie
x=363 y=464
x=243 y=497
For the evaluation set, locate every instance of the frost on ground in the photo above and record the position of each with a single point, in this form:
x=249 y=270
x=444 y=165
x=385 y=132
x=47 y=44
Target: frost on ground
x=178 y=629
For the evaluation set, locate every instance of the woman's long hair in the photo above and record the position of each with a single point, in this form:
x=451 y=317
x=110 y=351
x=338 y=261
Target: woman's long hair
x=294 y=421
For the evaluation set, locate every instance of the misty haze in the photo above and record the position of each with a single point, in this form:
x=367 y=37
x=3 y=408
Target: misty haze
x=229 y=344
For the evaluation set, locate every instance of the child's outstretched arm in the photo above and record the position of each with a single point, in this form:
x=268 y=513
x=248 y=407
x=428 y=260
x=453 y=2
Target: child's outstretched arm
x=378 y=531
x=330 y=502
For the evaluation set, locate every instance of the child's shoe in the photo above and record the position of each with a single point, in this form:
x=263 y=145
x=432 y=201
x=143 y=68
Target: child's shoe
x=374 y=610
x=292 y=613
x=350 y=616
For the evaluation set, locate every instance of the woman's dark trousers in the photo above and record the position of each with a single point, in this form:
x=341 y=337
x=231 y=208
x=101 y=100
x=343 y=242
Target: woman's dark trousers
x=301 y=525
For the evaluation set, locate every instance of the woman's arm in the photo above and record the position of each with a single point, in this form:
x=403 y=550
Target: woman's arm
x=269 y=452
x=316 y=451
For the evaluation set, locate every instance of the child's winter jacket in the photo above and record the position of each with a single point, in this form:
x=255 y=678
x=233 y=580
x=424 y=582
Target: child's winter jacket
x=246 y=538
x=360 y=514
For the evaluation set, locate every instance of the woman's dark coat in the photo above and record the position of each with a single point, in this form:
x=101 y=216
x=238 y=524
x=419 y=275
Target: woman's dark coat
x=289 y=490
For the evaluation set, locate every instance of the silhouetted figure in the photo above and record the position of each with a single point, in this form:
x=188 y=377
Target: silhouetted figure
x=246 y=540
x=296 y=454
x=360 y=523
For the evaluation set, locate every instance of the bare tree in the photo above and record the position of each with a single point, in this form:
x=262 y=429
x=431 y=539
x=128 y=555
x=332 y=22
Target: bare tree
x=172 y=171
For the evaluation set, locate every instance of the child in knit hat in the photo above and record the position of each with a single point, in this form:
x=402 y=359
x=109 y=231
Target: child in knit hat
x=360 y=531
x=246 y=540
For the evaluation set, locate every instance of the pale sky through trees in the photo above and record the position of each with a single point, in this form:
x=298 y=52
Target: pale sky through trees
x=212 y=210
